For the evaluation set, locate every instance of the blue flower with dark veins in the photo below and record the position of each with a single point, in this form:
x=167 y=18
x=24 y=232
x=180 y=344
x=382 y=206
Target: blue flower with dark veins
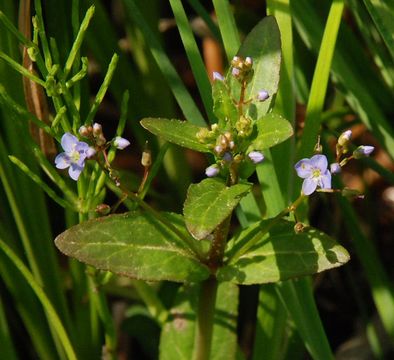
x=314 y=172
x=74 y=155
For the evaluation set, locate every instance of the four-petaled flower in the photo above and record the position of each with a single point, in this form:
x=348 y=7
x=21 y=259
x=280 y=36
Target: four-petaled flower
x=74 y=155
x=315 y=173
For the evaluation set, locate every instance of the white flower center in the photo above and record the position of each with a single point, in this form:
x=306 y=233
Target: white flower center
x=74 y=155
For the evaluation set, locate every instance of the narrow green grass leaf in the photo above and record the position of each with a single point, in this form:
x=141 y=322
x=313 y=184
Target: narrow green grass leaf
x=52 y=315
x=382 y=13
x=320 y=81
x=194 y=56
x=363 y=99
x=297 y=298
x=227 y=27
x=78 y=41
x=200 y=10
x=181 y=94
x=7 y=346
x=103 y=89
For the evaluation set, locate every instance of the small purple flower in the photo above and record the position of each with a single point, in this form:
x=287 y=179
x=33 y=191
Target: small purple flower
x=212 y=171
x=74 y=155
x=363 y=151
x=315 y=173
x=121 y=143
x=256 y=157
x=335 y=168
x=217 y=76
x=262 y=95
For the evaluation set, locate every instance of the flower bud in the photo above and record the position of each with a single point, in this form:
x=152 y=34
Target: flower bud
x=121 y=143
x=345 y=137
x=235 y=72
x=103 y=209
x=84 y=131
x=262 y=95
x=248 y=61
x=146 y=158
x=212 y=171
x=363 y=151
x=97 y=129
x=335 y=168
x=256 y=157
x=218 y=149
x=101 y=140
x=217 y=76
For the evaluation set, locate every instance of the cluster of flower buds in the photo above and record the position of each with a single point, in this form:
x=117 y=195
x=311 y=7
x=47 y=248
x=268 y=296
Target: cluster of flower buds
x=242 y=69
x=342 y=148
x=230 y=145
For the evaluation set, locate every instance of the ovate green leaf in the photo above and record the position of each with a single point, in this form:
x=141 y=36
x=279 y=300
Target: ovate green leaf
x=209 y=203
x=263 y=45
x=136 y=245
x=175 y=131
x=281 y=254
x=177 y=337
x=272 y=129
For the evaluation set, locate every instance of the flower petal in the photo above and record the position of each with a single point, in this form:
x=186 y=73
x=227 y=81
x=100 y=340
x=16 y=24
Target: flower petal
x=74 y=171
x=325 y=180
x=68 y=142
x=309 y=186
x=320 y=162
x=303 y=168
x=62 y=161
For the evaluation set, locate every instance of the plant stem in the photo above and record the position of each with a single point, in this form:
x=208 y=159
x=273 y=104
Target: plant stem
x=205 y=319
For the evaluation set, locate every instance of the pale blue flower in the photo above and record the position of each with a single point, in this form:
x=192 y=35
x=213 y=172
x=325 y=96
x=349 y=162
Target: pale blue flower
x=74 y=155
x=314 y=172
x=256 y=157
x=121 y=143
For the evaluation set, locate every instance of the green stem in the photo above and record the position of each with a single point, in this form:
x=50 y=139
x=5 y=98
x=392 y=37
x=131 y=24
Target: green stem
x=205 y=319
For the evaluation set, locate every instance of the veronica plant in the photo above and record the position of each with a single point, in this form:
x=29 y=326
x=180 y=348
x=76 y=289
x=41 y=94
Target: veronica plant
x=197 y=247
